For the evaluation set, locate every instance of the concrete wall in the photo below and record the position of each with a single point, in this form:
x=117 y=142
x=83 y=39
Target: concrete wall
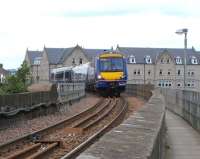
x=11 y=105
x=141 y=136
x=185 y=103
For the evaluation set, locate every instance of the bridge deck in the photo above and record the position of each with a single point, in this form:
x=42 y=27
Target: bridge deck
x=182 y=139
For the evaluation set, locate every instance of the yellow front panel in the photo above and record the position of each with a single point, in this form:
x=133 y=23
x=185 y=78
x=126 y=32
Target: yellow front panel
x=111 y=75
x=110 y=55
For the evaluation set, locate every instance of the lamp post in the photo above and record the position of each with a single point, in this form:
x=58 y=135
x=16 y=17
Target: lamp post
x=180 y=32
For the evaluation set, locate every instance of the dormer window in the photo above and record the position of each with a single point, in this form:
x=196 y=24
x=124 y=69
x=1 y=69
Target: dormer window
x=178 y=60
x=194 y=60
x=132 y=59
x=148 y=59
x=37 y=61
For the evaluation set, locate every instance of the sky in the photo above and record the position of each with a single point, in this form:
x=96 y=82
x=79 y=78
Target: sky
x=101 y=24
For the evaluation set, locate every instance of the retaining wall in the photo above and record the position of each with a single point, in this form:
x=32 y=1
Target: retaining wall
x=23 y=102
x=141 y=90
x=184 y=103
x=141 y=136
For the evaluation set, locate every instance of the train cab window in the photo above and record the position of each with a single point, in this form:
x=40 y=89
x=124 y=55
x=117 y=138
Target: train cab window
x=111 y=64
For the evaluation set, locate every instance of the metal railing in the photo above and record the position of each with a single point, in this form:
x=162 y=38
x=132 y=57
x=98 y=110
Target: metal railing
x=185 y=103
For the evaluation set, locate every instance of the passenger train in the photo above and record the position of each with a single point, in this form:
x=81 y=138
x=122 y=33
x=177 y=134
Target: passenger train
x=107 y=74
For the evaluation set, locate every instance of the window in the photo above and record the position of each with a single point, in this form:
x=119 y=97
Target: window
x=149 y=72
x=178 y=84
x=73 y=61
x=168 y=73
x=188 y=73
x=138 y=72
x=160 y=72
x=132 y=59
x=159 y=84
x=192 y=73
x=178 y=60
x=148 y=59
x=111 y=64
x=162 y=61
x=37 y=61
x=194 y=60
x=179 y=72
x=170 y=84
x=168 y=60
x=80 y=61
x=134 y=72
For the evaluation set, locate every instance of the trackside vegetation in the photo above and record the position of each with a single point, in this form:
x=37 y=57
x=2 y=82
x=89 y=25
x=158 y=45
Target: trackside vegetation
x=16 y=83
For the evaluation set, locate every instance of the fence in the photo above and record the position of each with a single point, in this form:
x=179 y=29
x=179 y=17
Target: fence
x=70 y=91
x=140 y=90
x=14 y=103
x=184 y=103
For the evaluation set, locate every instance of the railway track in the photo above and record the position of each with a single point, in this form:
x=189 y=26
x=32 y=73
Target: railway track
x=69 y=137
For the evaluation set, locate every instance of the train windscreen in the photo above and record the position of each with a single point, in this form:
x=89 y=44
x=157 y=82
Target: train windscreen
x=111 y=64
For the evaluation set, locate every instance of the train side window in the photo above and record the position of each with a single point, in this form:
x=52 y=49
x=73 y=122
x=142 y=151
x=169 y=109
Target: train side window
x=59 y=76
x=52 y=77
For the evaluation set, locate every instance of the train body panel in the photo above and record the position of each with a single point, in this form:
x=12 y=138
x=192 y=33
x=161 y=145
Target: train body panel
x=111 y=72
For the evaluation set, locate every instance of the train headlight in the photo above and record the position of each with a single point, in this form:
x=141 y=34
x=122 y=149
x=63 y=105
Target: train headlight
x=99 y=76
x=122 y=77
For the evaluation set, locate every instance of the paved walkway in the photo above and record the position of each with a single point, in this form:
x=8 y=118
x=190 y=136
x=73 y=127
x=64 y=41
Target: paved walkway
x=182 y=140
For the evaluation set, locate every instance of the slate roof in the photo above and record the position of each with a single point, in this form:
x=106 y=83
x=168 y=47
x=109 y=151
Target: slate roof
x=33 y=54
x=140 y=53
x=91 y=53
x=57 y=55
x=3 y=71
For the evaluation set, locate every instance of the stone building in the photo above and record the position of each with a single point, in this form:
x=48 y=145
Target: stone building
x=159 y=66
x=162 y=67
x=3 y=74
x=42 y=62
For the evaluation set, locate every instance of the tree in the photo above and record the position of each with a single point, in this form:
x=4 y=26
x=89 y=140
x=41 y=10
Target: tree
x=13 y=85
x=23 y=73
x=16 y=83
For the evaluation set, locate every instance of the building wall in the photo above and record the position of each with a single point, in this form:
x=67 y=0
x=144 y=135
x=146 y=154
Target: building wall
x=76 y=54
x=165 y=71
x=44 y=68
x=35 y=73
x=173 y=79
x=136 y=73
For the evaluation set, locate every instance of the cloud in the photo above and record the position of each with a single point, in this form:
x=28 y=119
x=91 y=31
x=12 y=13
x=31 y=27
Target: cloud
x=93 y=24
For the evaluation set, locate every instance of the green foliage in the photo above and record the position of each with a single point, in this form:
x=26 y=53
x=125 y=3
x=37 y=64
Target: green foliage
x=23 y=72
x=16 y=83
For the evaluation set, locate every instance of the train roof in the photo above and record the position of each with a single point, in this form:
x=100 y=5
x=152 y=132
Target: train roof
x=77 y=69
x=54 y=70
x=110 y=54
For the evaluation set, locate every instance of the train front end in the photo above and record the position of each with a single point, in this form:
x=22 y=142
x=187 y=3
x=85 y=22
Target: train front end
x=111 y=73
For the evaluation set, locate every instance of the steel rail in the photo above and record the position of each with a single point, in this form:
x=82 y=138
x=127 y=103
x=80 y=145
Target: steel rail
x=76 y=151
